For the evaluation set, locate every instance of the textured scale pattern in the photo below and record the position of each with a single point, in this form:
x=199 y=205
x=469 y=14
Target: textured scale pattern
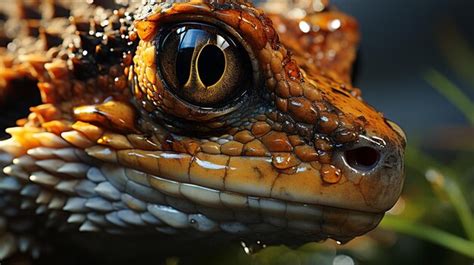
x=112 y=149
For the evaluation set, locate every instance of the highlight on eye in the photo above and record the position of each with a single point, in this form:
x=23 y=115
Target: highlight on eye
x=203 y=65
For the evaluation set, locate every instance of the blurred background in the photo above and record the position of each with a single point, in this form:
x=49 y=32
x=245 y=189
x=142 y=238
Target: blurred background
x=403 y=39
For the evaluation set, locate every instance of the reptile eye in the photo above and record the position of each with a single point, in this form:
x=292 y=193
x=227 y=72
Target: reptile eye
x=203 y=64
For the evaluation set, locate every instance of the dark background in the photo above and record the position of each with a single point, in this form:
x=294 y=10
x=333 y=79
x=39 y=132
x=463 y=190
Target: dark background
x=400 y=41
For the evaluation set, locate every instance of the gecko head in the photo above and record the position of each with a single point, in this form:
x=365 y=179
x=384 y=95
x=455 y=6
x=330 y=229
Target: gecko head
x=212 y=124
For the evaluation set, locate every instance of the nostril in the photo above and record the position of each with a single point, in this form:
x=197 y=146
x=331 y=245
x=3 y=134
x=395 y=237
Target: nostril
x=362 y=158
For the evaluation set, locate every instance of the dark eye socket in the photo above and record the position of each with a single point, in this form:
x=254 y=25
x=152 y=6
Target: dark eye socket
x=203 y=65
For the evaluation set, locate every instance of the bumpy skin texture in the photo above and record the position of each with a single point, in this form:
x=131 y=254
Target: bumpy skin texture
x=113 y=149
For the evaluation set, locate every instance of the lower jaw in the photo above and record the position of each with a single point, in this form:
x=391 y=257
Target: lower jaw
x=188 y=209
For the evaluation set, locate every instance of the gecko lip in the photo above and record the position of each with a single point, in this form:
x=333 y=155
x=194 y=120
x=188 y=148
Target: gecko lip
x=269 y=219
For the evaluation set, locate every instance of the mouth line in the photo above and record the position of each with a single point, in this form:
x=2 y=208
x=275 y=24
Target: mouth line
x=231 y=210
x=182 y=202
x=239 y=178
x=206 y=196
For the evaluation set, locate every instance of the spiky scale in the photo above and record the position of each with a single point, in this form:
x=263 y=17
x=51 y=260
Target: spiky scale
x=130 y=217
x=107 y=190
x=115 y=219
x=76 y=204
x=86 y=189
x=89 y=226
x=99 y=204
x=97 y=218
x=76 y=218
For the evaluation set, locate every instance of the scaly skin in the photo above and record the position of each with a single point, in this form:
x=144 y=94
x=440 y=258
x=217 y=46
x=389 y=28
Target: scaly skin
x=115 y=148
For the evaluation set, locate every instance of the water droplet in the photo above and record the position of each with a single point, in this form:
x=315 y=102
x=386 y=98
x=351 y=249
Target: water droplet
x=330 y=174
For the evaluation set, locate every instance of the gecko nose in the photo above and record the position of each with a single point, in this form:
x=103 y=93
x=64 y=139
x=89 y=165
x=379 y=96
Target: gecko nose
x=375 y=165
x=372 y=153
x=363 y=158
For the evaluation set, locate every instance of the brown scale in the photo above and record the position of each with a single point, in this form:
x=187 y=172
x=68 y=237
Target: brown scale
x=300 y=108
x=307 y=97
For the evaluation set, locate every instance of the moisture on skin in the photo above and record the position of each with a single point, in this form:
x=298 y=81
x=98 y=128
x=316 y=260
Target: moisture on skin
x=115 y=147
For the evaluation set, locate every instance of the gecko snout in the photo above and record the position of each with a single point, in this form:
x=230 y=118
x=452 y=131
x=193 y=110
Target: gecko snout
x=370 y=155
x=375 y=164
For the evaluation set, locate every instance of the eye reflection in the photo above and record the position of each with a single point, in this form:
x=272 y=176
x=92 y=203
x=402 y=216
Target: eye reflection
x=203 y=65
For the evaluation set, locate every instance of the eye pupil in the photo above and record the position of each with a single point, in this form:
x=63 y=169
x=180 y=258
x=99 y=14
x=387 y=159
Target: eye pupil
x=211 y=65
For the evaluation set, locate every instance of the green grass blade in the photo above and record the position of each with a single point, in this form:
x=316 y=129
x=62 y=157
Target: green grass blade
x=449 y=187
x=430 y=234
x=451 y=92
x=457 y=51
